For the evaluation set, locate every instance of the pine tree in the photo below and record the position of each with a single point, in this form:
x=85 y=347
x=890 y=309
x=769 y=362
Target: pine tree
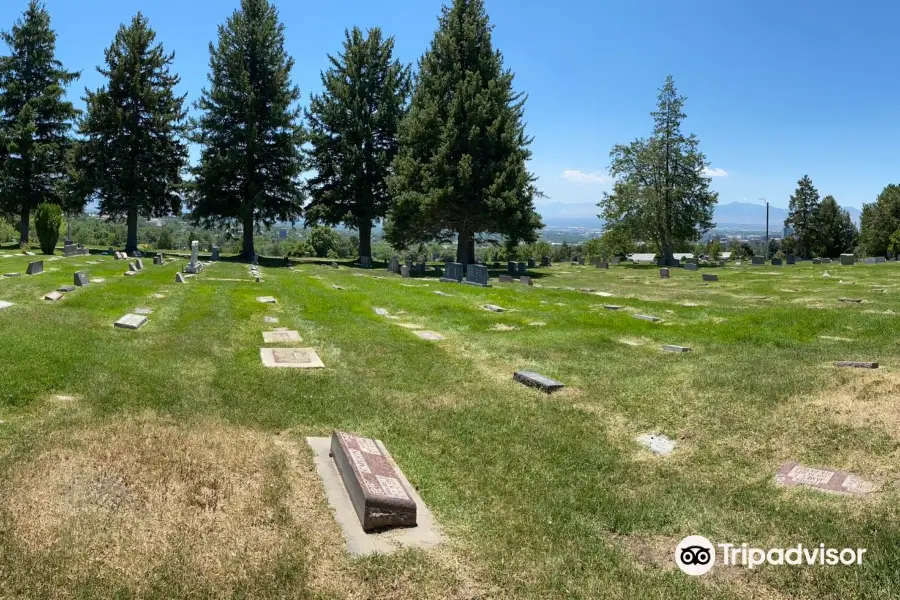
x=353 y=132
x=879 y=222
x=802 y=210
x=134 y=151
x=250 y=130
x=35 y=118
x=462 y=167
x=661 y=192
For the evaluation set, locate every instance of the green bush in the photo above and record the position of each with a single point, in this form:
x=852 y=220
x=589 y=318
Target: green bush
x=48 y=220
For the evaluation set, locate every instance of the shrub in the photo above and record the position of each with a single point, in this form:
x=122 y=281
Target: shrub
x=48 y=220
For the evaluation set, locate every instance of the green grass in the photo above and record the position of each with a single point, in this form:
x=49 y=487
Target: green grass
x=540 y=496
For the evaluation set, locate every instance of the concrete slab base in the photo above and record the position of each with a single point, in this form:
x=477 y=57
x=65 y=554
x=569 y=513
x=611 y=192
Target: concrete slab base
x=425 y=535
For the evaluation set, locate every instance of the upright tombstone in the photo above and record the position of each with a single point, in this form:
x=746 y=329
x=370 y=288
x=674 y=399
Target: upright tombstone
x=506 y=278
x=35 y=268
x=776 y=262
x=664 y=273
x=453 y=273
x=545 y=261
x=691 y=266
x=531 y=263
x=81 y=279
x=614 y=261
x=70 y=250
x=880 y=259
x=525 y=280
x=139 y=263
x=848 y=259
x=404 y=271
x=602 y=264
x=195 y=266
x=394 y=265
x=522 y=269
x=710 y=277
x=159 y=260
x=132 y=268
x=179 y=278
x=215 y=253
x=826 y=261
x=759 y=260
x=511 y=268
x=477 y=275
x=790 y=259
x=581 y=260
x=817 y=261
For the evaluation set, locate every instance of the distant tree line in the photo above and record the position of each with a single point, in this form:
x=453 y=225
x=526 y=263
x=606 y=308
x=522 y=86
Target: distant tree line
x=436 y=158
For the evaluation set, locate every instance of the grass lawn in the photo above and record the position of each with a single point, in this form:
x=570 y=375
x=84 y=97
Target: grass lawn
x=169 y=463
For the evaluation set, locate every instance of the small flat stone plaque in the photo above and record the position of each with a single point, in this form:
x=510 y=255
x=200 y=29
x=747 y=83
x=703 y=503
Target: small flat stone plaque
x=66 y=288
x=53 y=296
x=536 y=380
x=710 y=277
x=131 y=322
x=647 y=318
x=856 y=365
x=658 y=444
x=372 y=482
x=430 y=336
x=826 y=480
x=672 y=348
x=281 y=337
x=381 y=312
x=143 y=311
x=270 y=319
x=267 y=300
x=853 y=300
x=291 y=358
x=440 y=293
x=4 y=304
x=612 y=307
x=11 y=274
x=493 y=308
x=130 y=273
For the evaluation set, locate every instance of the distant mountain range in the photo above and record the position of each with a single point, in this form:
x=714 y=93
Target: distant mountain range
x=733 y=214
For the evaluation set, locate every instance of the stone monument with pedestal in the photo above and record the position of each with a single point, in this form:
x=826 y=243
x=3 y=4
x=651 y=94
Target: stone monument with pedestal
x=195 y=266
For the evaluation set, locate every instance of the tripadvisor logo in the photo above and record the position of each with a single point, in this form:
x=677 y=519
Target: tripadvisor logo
x=696 y=555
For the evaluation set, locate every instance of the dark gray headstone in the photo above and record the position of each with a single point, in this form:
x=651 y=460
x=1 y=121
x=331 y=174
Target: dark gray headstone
x=132 y=267
x=506 y=278
x=511 y=267
x=848 y=259
x=790 y=259
x=139 y=263
x=404 y=271
x=66 y=288
x=179 y=278
x=690 y=266
x=215 y=253
x=531 y=263
x=817 y=261
x=759 y=260
x=664 y=273
x=81 y=279
x=545 y=261
x=453 y=272
x=35 y=268
x=477 y=275
x=394 y=265
x=776 y=262
x=602 y=265
x=581 y=260
x=522 y=268
x=710 y=277
x=525 y=280
x=536 y=380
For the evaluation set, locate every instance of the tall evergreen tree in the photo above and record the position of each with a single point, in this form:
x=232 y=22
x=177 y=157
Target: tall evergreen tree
x=835 y=230
x=250 y=130
x=661 y=193
x=801 y=216
x=134 y=153
x=35 y=118
x=353 y=131
x=462 y=167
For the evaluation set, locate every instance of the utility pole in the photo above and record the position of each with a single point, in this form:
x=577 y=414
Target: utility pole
x=766 y=255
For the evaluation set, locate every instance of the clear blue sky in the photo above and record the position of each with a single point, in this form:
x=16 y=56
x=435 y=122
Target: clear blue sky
x=776 y=89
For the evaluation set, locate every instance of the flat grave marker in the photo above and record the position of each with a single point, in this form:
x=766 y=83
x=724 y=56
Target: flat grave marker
x=536 y=380
x=850 y=300
x=856 y=364
x=612 y=307
x=270 y=319
x=143 y=311
x=710 y=277
x=66 y=288
x=381 y=312
x=4 y=304
x=130 y=322
x=673 y=348
x=647 y=318
x=290 y=358
x=11 y=274
x=281 y=337
x=266 y=300
x=494 y=308
x=430 y=336
x=826 y=480
x=53 y=296
x=658 y=444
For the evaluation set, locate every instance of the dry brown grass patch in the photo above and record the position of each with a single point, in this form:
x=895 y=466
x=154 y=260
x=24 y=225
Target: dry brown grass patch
x=866 y=399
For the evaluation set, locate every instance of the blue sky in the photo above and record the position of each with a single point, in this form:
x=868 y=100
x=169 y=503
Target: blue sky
x=775 y=89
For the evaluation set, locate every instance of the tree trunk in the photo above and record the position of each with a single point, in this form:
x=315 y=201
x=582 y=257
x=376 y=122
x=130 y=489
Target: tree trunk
x=365 y=239
x=23 y=224
x=472 y=251
x=248 y=249
x=462 y=248
x=131 y=243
